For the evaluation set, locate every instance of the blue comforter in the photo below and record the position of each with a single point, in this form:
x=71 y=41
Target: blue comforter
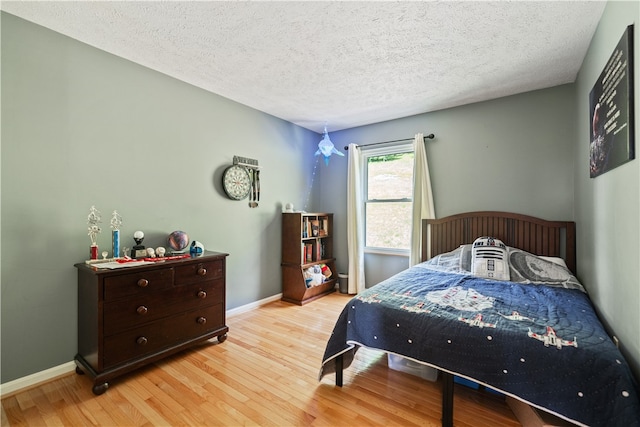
x=541 y=344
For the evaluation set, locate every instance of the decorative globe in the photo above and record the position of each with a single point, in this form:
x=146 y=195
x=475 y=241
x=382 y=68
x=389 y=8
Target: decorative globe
x=178 y=240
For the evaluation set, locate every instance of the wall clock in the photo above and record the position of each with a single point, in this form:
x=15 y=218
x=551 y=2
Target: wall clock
x=236 y=182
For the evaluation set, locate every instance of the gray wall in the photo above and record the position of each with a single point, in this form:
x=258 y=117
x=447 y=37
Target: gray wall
x=81 y=127
x=510 y=154
x=608 y=207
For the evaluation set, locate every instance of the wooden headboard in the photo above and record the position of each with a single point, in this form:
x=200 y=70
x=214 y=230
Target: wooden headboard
x=534 y=235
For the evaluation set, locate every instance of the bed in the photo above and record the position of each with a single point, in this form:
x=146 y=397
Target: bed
x=535 y=337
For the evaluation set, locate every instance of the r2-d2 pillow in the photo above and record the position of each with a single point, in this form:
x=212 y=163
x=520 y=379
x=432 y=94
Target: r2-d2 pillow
x=490 y=259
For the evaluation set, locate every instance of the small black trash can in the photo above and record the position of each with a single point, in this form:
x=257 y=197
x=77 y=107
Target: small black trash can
x=343 y=280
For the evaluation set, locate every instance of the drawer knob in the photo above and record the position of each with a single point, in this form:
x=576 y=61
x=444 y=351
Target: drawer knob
x=202 y=271
x=142 y=340
x=202 y=294
x=143 y=283
x=142 y=310
x=202 y=320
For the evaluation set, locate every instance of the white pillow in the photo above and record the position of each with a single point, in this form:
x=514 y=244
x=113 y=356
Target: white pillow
x=555 y=260
x=490 y=259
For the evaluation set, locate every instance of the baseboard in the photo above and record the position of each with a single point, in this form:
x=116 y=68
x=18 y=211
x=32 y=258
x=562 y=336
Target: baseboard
x=253 y=305
x=33 y=380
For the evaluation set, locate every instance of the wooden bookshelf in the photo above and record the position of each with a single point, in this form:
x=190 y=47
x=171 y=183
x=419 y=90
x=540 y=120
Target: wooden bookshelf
x=307 y=242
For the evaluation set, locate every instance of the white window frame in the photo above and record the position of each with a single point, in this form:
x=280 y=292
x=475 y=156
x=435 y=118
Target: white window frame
x=406 y=147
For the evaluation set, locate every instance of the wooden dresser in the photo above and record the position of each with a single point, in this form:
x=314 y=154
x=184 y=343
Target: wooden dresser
x=130 y=317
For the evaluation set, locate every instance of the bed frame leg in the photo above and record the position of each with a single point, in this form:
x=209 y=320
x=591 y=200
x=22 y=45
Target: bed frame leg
x=339 y=365
x=447 y=399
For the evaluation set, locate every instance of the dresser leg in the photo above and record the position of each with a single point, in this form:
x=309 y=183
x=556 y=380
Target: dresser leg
x=98 y=389
x=79 y=371
x=222 y=338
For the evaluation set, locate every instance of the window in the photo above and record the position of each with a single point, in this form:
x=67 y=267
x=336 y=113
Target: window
x=388 y=194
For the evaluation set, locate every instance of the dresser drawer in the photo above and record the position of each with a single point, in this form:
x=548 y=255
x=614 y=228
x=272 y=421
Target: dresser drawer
x=141 y=282
x=161 y=334
x=196 y=272
x=132 y=312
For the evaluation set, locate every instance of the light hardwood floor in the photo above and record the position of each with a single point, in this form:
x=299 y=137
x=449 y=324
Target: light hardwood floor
x=264 y=374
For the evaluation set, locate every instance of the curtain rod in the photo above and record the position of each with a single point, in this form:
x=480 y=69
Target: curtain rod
x=430 y=136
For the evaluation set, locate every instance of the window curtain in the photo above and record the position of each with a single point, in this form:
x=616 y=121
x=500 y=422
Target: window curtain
x=422 y=198
x=355 y=231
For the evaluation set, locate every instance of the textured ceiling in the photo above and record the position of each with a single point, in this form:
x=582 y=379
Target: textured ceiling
x=343 y=63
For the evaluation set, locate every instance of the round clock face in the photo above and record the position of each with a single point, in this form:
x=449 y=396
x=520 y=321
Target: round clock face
x=236 y=182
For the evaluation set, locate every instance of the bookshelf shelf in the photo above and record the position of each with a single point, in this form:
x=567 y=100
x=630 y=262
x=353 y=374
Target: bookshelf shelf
x=307 y=245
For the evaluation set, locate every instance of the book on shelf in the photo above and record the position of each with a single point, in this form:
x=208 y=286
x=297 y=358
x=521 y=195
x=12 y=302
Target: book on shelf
x=324 y=226
x=304 y=228
x=315 y=227
x=309 y=252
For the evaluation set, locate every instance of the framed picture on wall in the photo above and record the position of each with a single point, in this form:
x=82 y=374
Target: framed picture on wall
x=611 y=114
